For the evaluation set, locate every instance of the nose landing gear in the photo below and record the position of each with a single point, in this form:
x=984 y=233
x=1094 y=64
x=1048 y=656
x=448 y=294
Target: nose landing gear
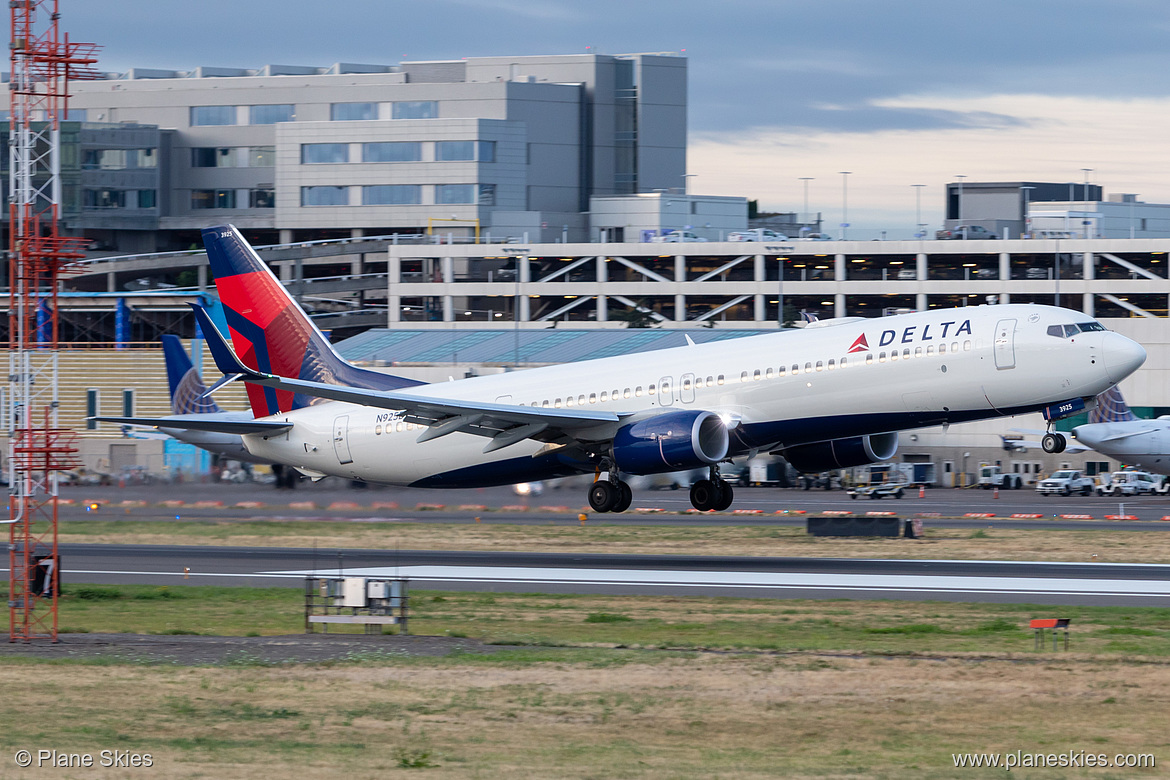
x=714 y=493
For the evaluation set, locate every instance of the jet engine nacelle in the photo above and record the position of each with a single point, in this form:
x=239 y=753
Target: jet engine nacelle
x=842 y=453
x=674 y=441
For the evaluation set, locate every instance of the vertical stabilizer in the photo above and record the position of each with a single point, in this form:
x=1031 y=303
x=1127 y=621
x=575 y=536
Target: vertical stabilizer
x=1111 y=408
x=187 y=386
x=272 y=334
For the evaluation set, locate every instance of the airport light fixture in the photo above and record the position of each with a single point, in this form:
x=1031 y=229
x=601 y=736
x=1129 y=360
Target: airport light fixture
x=844 y=203
x=918 y=226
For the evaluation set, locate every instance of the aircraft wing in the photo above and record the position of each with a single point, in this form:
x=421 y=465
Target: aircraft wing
x=194 y=422
x=504 y=424
x=1127 y=434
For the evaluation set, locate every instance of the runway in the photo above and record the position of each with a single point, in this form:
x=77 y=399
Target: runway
x=754 y=577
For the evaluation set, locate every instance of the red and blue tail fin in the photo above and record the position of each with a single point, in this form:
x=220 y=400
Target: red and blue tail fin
x=187 y=387
x=1111 y=408
x=272 y=334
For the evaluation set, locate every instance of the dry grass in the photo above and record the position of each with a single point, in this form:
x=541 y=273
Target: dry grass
x=697 y=716
x=1040 y=544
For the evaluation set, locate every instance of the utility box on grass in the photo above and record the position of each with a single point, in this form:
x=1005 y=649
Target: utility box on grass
x=373 y=603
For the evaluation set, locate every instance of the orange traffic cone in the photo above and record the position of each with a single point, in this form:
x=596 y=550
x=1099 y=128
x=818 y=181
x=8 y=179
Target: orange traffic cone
x=995 y=493
x=922 y=491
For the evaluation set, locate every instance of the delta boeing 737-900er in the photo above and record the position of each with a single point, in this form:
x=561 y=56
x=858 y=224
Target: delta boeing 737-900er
x=831 y=395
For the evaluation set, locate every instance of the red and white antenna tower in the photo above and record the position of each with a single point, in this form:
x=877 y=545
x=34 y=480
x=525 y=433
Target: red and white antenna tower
x=43 y=63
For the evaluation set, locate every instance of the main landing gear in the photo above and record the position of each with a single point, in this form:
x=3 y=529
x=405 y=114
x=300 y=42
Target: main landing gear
x=610 y=494
x=1053 y=443
x=713 y=493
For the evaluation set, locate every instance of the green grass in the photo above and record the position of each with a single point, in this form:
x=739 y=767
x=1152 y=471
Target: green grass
x=551 y=621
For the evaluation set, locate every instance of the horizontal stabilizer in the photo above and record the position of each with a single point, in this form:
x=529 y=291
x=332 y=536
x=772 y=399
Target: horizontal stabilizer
x=192 y=422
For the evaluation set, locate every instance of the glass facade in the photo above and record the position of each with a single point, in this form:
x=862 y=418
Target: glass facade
x=454 y=151
x=418 y=109
x=391 y=195
x=324 y=196
x=324 y=153
x=213 y=115
x=271 y=114
x=454 y=193
x=347 y=112
x=392 y=151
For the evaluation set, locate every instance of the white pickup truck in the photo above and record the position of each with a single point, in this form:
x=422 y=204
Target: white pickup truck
x=1132 y=483
x=1066 y=482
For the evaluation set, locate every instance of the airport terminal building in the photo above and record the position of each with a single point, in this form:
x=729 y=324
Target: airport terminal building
x=510 y=145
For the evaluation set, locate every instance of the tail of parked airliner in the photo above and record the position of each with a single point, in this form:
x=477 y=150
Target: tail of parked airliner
x=187 y=388
x=1111 y=408
x=272 y=334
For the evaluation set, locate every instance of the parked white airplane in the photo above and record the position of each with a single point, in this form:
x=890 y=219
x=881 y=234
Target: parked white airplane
x=831 y=395
x=1114 y=430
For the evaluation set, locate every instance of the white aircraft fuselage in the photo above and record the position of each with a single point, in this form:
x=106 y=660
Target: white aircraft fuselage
x=829 y=381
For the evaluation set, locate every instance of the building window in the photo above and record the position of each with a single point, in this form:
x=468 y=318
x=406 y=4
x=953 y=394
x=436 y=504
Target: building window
x=261 y=199
x=487 y=194
x=212 y=157
x=147 y=199
x=454 y=193
x=392 y=151
x=324 y=153
x=324 y=196
x=127 y=403
x=454 y=151
x=347 y=112
x=104 y=199
x=212 y=115
x=118 y=159
x=420 y=109
x=92 y=396
x=261 y=156
x=142 y=158
x=391 y=195
x=213 y=199
x=487 y=151
x=270 y=115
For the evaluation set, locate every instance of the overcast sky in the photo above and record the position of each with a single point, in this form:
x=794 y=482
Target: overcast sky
x=899 y=92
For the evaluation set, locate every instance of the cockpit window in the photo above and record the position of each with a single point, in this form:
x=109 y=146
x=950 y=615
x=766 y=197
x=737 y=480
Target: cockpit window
x=1067 y=331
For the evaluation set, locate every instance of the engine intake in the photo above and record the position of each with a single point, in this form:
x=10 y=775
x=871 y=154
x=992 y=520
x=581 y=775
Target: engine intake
x=673 y=441
x=842 y=453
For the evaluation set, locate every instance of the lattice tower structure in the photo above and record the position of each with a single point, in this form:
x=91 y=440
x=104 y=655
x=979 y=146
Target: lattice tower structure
x=43 y=63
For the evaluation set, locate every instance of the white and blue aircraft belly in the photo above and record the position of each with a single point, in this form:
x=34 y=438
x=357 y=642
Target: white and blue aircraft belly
x=831 y=395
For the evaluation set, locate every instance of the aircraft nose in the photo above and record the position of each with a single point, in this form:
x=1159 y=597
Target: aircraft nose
x=1085 y=435
x=1122 y=356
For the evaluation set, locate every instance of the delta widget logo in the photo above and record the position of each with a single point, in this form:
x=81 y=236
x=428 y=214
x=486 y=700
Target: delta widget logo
x=859 y=345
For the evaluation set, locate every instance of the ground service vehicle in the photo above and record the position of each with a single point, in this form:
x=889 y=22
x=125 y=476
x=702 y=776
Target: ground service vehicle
x=1066 y=482
x=1131 y=483
x=759 y=234
x=994 y=477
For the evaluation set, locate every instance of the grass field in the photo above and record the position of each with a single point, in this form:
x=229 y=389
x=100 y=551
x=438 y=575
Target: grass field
x=800 y=689
x=1041 y=544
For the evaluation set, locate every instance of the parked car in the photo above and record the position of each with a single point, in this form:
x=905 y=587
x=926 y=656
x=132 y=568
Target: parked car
x=907 y=273
x=676 y=236
x=814 y=237
x=759 y=234
x=970 y=232
x=1066 y=482
x=1036 y=273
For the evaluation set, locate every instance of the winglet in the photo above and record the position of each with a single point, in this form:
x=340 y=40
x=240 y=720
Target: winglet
x=690 y=340
x=225 y=359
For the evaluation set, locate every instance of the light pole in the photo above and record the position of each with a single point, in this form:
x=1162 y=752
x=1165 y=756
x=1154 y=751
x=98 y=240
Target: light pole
x=686 y=177
x=959 y=204
x=1087 y=222
x=918 y=231
x=804 y=217
x=844 y=203
x=1026 y=219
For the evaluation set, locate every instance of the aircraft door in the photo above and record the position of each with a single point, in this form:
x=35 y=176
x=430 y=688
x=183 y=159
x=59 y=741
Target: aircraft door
x=665 y=391
x=686 y=389
x=1005 y=344
x=341 y=439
